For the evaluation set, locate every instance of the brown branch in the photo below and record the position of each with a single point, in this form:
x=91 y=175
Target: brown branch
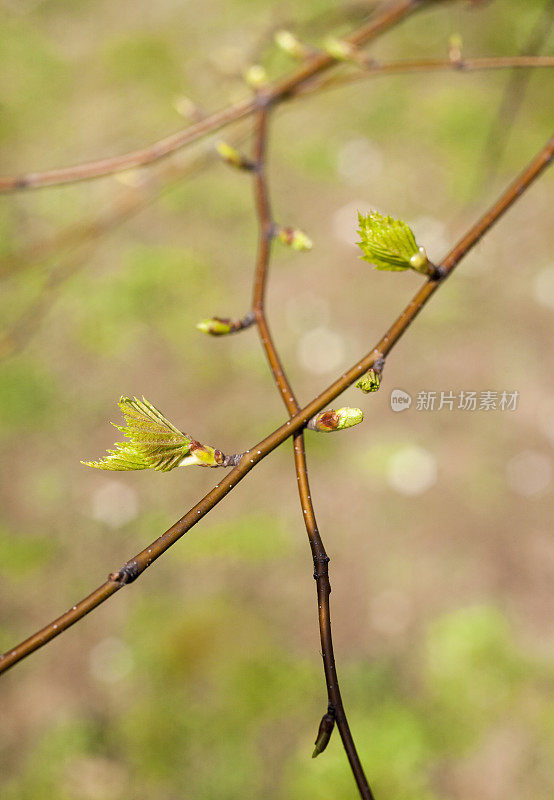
x=368 y=68
x=320 y=559
x=389 y=15
x=266 y=228
x=297 y=84
x=136 y=158
x=133 y=568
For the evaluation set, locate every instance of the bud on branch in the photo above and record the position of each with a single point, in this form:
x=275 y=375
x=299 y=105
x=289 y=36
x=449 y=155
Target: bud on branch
x=295 y=238
x=337 y=420
x=339 y=49
x=324 y=733
x=155 y=443
x=389 y=244
x=369 y=382
x=256 y=77
x=291 y=44
x=233 y=157
x=220 y=326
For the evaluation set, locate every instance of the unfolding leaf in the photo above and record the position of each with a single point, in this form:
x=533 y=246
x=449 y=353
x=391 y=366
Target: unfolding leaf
x=154 y=442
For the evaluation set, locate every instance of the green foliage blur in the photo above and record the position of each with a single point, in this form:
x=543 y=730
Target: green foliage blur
x=203 y=680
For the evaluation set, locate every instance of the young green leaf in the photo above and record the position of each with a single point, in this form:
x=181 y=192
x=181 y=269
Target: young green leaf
x=154 y=442
x=389 y=244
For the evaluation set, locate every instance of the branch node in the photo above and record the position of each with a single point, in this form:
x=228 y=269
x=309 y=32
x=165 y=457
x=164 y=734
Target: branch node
x=128 y=573
x=320 y=566
x=438 y=272
x=232 y=460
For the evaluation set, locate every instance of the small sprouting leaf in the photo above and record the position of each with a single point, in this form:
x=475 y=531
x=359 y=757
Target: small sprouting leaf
x=154 y=442
x=390 y=244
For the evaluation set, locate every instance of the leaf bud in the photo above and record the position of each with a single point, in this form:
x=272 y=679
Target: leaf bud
x=256 y=77
x=290 y=44
x=324 y=733
x=232 y=156
x=369 y=382
x=295 y=238
x=337 y=420
x=339 y=49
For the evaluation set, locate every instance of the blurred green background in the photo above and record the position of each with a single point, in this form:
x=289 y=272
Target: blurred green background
x=203 y=680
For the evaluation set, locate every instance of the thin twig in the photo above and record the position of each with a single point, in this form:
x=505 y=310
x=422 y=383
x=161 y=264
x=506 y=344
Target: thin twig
x=298 y=84
x=266 y=228
x=375 y=69
x=133 y=568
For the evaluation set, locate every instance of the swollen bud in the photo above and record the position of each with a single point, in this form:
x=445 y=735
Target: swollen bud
x=324 y=733
x=232 y=156
x=202 y=455
x=369 y=382
x=339 y=49
x=389 y=244
x=337 y=420
x=291 y=45
x=215 y=326
x=219 y=326
x=295 y=238
x=256 y=77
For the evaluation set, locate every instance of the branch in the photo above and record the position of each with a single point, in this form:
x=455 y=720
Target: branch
x=133 y=568
x=389 y=15
x=373 y=69
x=266 y=225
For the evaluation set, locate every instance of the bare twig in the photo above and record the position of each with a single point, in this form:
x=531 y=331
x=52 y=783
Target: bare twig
x=136 y=566
x=266 y=228
x=374 y=69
